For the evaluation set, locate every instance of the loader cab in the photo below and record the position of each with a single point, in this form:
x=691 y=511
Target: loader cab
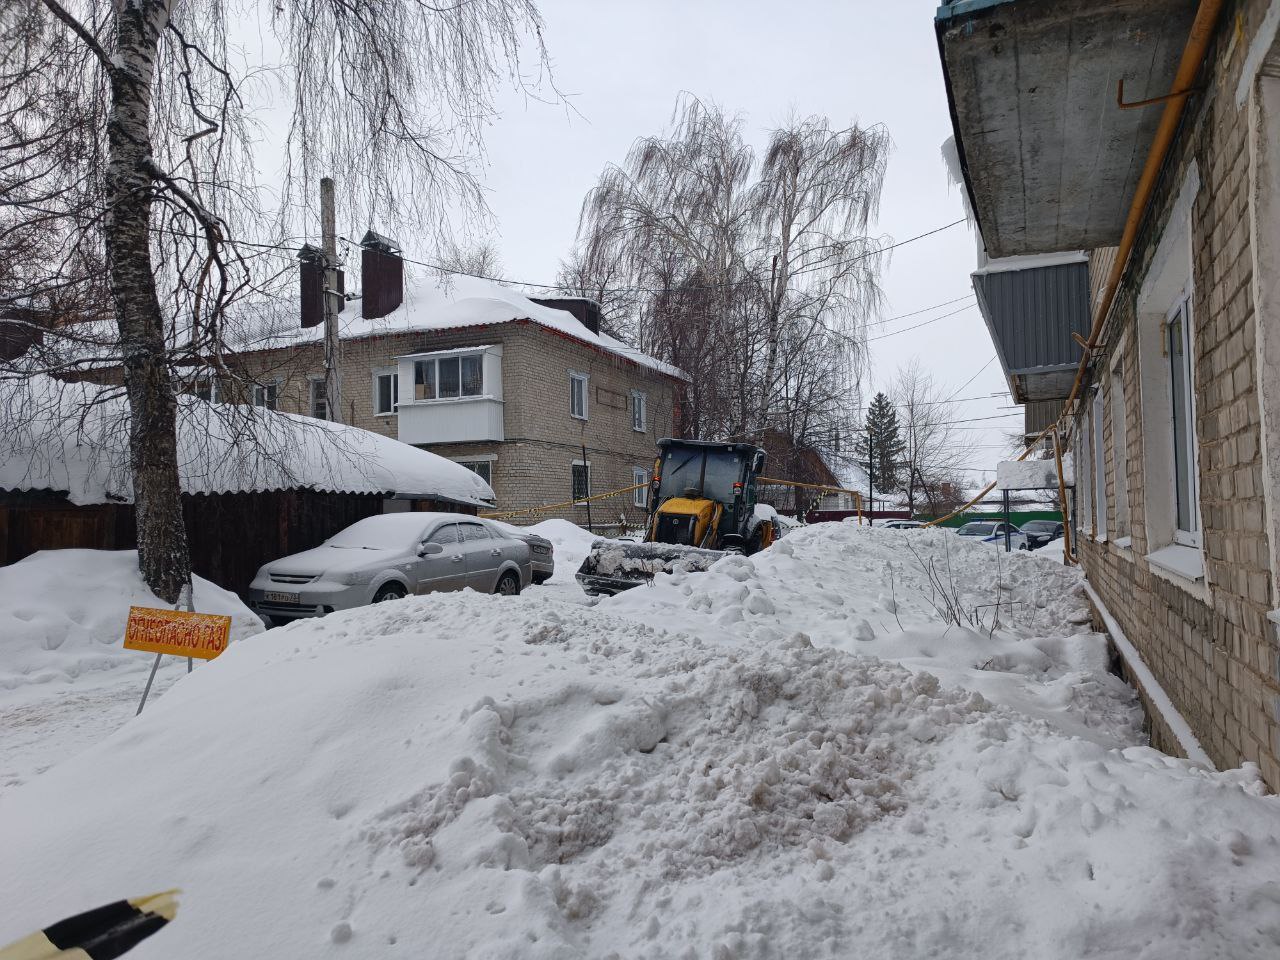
x=703 y=482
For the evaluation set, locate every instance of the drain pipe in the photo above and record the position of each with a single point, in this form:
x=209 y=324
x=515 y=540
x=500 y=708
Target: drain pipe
x=1192 y=58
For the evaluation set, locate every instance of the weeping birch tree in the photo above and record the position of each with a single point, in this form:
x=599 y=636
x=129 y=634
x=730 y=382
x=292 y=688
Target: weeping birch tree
x=131 y=174
x=754 y=273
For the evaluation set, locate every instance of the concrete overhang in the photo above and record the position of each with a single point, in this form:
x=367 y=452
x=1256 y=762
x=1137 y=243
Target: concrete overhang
x=1049 y=160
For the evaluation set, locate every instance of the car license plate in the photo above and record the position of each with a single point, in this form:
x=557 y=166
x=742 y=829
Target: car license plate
x=280 y=597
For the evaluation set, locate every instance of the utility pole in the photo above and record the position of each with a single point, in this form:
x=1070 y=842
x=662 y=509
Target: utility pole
x=332 y=344
x=871 y=474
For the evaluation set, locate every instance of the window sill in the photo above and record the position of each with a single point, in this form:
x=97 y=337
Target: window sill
x=1124 y=543
x=1178 y=564
x=576 y=417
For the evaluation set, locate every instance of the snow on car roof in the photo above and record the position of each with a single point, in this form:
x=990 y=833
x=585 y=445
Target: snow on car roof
x=74 y=437
x=391 y=529
x=466 y=302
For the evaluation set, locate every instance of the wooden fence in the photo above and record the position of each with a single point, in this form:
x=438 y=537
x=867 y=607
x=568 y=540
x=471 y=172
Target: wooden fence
x=231 y=534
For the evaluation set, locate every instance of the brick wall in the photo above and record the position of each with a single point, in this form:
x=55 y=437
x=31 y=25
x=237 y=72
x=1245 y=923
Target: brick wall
x=1208 y=642
x=533 y=464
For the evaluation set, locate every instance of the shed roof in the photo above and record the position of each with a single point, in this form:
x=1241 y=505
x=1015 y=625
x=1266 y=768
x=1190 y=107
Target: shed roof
x=73 y=437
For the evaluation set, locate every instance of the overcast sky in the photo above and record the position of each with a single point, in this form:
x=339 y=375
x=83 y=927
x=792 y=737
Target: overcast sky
x=623 y=64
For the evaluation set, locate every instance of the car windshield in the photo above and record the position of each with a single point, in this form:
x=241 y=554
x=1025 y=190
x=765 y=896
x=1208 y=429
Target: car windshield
x=1040 y=526
x=977 y=529
x=388 y=531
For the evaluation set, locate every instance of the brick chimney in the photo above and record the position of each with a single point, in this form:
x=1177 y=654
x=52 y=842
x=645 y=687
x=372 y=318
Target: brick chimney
x=381 y=275
x=587 y=312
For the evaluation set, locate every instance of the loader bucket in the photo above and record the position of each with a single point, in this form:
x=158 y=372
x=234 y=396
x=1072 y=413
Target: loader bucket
x=614 y=565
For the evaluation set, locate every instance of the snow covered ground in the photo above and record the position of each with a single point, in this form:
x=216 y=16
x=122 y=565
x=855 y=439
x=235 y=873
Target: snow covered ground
x=792 y=755
x=65 y=680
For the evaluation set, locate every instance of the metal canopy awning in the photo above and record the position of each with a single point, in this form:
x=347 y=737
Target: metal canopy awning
x=1049 y=159
x=1031 y=314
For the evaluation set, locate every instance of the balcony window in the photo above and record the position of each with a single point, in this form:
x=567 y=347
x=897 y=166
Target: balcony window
x=424 y=380
x=448 y=378
x=472 y=375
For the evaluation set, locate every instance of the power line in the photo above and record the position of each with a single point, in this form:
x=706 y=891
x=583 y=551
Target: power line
x=975 y=376
x=917 y=326
x=715 y=286
x=914 y=313
x=935 y=403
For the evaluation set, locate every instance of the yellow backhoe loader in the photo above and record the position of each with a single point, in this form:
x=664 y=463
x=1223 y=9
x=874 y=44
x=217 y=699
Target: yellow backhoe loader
x=702 y=505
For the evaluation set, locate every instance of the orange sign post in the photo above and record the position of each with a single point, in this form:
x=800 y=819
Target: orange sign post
x=179 y=633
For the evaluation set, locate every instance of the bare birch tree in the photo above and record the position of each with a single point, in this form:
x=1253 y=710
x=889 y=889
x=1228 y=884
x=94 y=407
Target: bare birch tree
x=130 y=148
x=934 y=449
x=754 y=275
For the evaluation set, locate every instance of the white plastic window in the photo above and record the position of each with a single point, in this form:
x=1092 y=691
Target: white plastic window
x=639 y=411
x=640 y=496
x=1177 y=343
x=578 y=395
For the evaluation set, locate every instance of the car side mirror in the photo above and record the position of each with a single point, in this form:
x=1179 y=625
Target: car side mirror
x=430 y=549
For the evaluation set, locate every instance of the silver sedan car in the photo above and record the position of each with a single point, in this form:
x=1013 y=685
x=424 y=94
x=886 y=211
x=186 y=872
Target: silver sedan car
x=390 y=556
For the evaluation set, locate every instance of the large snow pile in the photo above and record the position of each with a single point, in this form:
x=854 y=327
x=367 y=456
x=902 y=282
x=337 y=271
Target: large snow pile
x=62 y=613
x=487 y=777
x=75 y=437
x=971 y=614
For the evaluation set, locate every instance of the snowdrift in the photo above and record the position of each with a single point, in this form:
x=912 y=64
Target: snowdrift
x=486 y=777
x=62 y=614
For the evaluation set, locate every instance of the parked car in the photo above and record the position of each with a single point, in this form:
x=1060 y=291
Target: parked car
x=390 y=556
x=1040 y=532
x=902 y=524
x=542 y=553
x=992 y=531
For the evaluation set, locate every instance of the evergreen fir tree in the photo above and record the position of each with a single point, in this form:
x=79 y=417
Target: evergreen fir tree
x=879 y=447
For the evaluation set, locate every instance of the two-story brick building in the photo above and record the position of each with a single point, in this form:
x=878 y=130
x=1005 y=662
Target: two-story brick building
x=530 y=394
x=1133 y=149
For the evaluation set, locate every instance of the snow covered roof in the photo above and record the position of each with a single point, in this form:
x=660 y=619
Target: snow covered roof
x=74 y=437
x=467 y=302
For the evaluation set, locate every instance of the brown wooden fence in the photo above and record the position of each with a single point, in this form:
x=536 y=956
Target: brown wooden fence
x=231 y=535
